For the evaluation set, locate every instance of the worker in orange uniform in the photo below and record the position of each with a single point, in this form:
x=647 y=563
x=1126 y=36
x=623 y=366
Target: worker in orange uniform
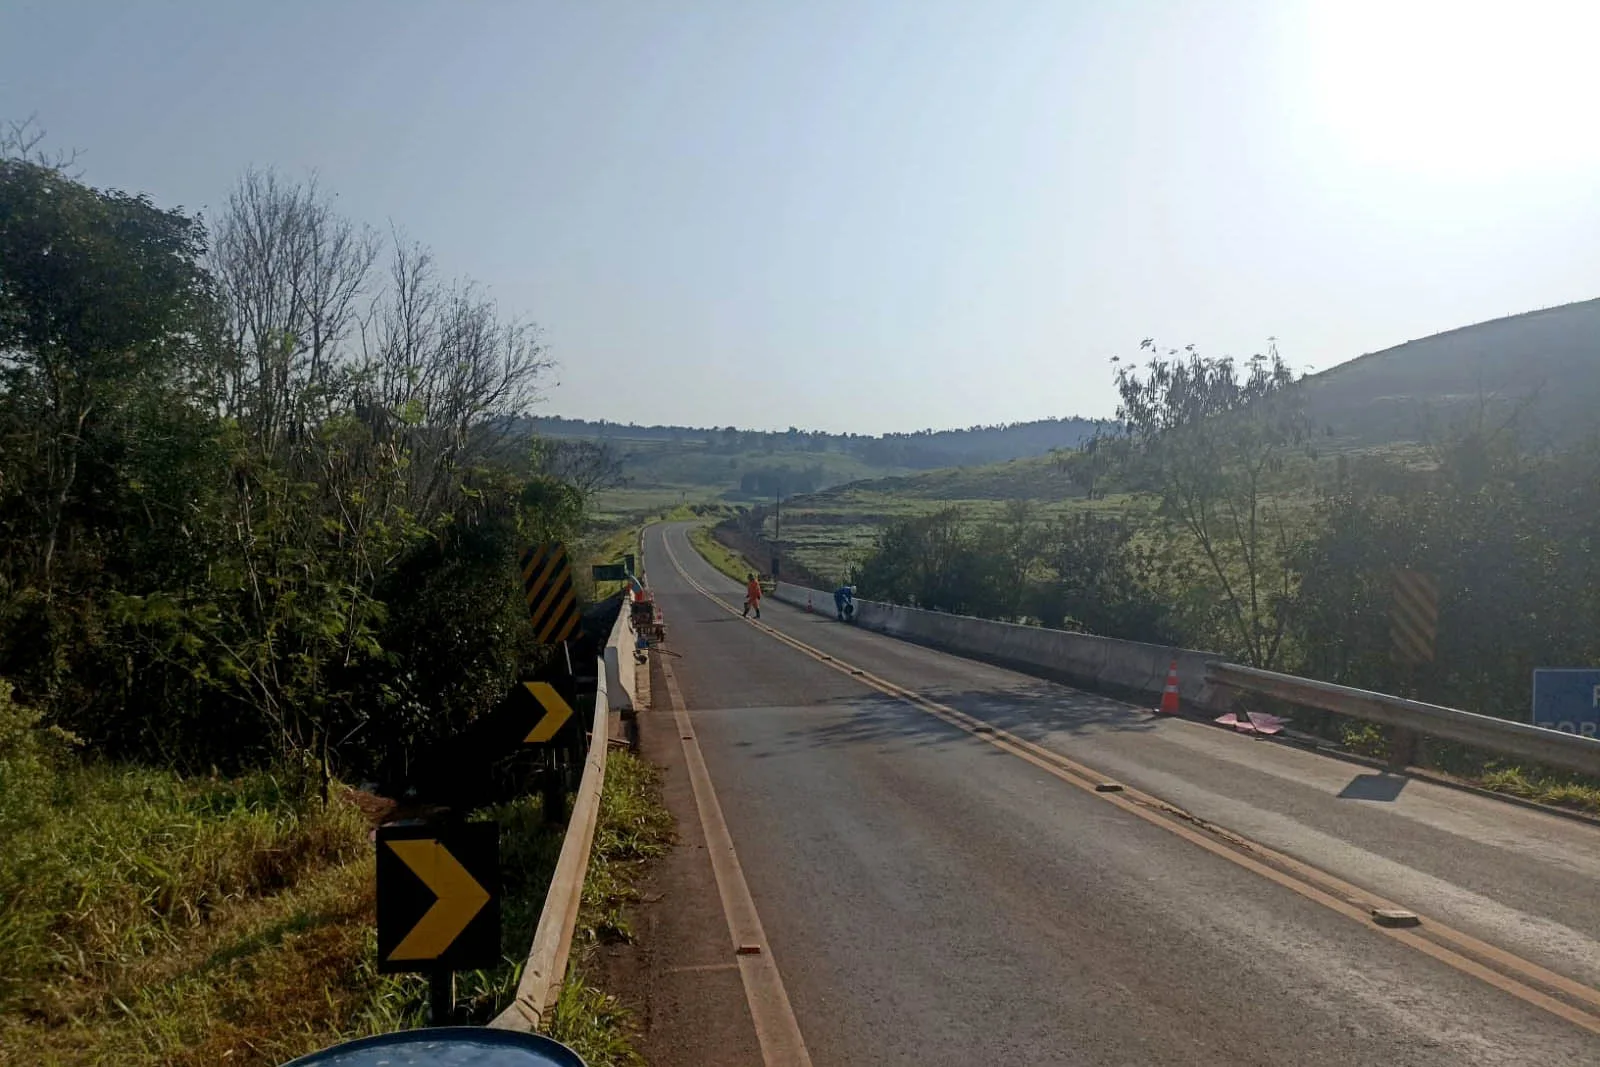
x=752 y=597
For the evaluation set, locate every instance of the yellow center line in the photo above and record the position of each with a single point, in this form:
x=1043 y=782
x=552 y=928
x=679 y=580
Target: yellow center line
x=1486 y=962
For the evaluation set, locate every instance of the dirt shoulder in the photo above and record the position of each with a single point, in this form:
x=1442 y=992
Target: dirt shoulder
x=678 y=974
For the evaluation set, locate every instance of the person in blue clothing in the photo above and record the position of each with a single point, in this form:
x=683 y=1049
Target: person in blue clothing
x=844 y=602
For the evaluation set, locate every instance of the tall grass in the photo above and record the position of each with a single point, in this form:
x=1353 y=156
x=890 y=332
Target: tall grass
x=634 y=828
x=720 y=556
x=148 y=919
x=123 y=859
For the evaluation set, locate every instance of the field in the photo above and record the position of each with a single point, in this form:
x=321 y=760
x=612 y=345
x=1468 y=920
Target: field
x=618 y=505
x=657 y=476
x=828 y=531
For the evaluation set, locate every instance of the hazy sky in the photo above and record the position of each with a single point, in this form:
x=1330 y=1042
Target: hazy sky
x=881 y=215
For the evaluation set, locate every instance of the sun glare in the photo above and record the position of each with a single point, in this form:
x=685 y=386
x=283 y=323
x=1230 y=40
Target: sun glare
x=1468 y=89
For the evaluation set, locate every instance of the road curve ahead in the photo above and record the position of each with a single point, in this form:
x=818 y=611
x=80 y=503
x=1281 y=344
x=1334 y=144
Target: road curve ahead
x=940 y=882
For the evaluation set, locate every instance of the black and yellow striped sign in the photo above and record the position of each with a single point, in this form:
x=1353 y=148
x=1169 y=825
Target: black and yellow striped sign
x=547 y=585
x=1414 y=619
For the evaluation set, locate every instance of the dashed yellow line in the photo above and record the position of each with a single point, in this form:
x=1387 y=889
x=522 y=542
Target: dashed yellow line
x=1454 y=948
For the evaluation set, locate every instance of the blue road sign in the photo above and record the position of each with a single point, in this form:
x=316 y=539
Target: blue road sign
x=1567 y=700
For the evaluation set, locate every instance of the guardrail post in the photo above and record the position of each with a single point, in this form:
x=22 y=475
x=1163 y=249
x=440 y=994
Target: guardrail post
x=441 y=998
x=1403 y=746
x=552 y=795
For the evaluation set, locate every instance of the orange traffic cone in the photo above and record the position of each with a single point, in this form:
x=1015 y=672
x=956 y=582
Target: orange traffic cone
x=1169 y=696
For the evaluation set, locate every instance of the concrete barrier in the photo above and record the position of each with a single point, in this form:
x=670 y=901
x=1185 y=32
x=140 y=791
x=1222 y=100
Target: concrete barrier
x=1131 y=669
x=618 y=659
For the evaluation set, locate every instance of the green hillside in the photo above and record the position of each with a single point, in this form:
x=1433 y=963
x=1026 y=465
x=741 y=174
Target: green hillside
x=1542 y=367
x=747 y=472
x=681 y=464
x=1035 y=478
x=827 y=530
x=1544 y=364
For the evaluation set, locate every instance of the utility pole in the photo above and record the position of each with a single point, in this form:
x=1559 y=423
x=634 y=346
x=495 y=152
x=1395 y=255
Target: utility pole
x=777 y=528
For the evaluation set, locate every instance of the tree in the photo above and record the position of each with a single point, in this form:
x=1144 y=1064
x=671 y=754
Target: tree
x=942 y=563
x=23 y=139
x=101 y=294
x=1087 y=465
x=262 y=512
x=587 y=465
x=1212 y=441
x=1101 y=581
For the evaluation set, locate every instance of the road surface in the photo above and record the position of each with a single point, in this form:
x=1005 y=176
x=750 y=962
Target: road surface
x=934 y=888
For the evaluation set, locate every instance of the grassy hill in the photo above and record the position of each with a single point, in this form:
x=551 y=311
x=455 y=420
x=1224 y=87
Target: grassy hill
x=1035 y=478
x=1544 y=364
x=825 y=531
x=669 y=465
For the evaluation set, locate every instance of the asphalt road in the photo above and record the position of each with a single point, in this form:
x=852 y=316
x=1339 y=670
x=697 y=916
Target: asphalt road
x=931 y=899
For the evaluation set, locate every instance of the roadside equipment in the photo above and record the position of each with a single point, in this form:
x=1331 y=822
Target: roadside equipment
x=1169 y=695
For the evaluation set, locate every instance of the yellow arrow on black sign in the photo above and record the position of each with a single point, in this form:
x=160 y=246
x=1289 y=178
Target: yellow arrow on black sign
x=458 y=899
x=556 y=712
x=438 y=897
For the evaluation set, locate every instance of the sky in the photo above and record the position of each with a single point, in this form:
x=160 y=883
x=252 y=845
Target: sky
x=874 y=215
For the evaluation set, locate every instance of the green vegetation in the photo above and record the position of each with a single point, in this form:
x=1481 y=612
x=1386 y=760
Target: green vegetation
x=1077 y=571
x=683 y=455
x=720 y=556
x=149 y=918
x=156 y=920
x=634 y=828
x=1545 y=789
x=261 y=495
x=666 y=465
x=233 y=532
x=625 y=503
x=1214 y=447
x=1215 y=525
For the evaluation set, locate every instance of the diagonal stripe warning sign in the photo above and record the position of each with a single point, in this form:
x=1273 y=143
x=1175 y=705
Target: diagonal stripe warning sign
x=556 y=712
x=547 y=587
x=438 y=897
x=1414 y=616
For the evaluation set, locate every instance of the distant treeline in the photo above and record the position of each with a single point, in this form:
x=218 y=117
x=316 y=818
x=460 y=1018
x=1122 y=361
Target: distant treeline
x=922 y=450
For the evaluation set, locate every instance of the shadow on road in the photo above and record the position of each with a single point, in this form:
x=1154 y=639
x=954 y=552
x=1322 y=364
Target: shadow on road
x=1381 y=787
x=1034 y=712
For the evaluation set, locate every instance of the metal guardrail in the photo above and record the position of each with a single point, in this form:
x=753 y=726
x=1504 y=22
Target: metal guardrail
x=546 y=967
x=1412 y=719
